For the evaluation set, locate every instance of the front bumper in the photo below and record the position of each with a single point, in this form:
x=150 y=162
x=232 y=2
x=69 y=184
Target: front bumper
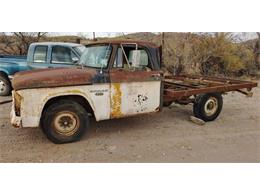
x=16 y=121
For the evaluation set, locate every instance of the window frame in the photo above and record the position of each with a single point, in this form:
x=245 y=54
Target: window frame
x=150 y=62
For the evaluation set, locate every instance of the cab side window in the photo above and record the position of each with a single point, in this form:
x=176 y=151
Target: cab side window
x=124 y=59
x=143 y=57
x=62 y=55
x=40 y=54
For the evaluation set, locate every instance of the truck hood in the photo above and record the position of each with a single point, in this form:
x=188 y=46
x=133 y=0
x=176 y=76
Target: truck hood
x=55 y=77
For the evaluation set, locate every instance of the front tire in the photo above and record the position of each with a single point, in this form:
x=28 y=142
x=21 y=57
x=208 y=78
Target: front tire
x=208 y=106
x=5 y=86
x=64 y=122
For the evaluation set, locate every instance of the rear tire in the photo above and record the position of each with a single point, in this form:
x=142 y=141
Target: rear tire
x=208 y=106
x=64 y=122
x=5 y=85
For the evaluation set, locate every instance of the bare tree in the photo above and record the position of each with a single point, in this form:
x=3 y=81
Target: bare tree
x=19 y=42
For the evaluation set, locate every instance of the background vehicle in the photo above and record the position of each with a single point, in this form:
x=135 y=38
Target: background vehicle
x=40 y=55
x=117 y=79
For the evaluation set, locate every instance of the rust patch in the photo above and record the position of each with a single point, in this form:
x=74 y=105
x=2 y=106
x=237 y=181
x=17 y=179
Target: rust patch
x=56 y=77
x=116 y=101
x=118 y=75
x=124 y=41
x=17 y=103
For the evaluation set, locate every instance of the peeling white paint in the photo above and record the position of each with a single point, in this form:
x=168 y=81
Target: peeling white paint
x=137 y=98
x=33 y=101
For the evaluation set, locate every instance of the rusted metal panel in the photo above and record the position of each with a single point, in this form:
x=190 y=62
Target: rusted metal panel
x=55 y=77
x=125 y=41
x=16 y=121
x=207 y=79
x=180 y=87
x=121 y=75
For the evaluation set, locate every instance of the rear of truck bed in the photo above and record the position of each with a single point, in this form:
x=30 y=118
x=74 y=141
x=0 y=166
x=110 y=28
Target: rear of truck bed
x=205 y=93
x=182 y=87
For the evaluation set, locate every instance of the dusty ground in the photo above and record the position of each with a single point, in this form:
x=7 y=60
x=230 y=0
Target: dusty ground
x=165 y=137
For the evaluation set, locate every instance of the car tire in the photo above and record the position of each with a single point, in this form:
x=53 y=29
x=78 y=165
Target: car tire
x=64 y=121
x=5 y=86
x=208 y=106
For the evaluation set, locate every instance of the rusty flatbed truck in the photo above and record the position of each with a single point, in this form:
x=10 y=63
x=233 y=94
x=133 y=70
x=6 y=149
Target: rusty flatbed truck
x=114 y=79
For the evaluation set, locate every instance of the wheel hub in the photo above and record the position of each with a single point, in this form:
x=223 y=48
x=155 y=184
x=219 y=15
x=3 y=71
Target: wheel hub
x=211 y=106
x=66 y=123
x=2 y=86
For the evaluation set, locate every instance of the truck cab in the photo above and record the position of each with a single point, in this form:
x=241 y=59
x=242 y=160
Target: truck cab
x=116 y=79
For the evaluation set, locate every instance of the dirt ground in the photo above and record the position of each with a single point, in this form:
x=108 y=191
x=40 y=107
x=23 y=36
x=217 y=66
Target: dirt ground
x=164 y=137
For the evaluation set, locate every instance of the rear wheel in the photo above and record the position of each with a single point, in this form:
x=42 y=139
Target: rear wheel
x=5 y=86
x=208 y=106
x=64 y=121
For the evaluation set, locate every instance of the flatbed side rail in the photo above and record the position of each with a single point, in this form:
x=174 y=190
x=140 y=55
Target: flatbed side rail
x=179 y=87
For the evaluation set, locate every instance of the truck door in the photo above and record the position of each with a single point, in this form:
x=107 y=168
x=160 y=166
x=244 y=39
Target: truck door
x=134 y=89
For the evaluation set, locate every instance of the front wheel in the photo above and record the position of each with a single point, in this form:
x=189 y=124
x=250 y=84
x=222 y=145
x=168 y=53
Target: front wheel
x=64 y=121
x=208 y=106
x=5 y=86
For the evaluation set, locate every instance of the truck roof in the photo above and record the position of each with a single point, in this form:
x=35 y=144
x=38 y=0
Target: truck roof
x=57 y=43
x=125 y=41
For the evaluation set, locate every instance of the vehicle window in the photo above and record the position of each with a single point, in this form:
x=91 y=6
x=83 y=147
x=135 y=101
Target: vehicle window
x=144 y=57
x=62 y=55
x=40 y=54
x=122 y=60
x=96 y=56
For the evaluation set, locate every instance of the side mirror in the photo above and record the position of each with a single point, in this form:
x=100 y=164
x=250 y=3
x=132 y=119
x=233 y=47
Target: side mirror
x=139 y=58
x=75 y=59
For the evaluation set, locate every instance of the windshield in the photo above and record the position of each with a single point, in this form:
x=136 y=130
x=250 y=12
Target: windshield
x=96 y=56
x=80 y=49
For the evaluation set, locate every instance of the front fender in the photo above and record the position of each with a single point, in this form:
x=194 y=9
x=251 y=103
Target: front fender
x=68 y=93
x=34 y=101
